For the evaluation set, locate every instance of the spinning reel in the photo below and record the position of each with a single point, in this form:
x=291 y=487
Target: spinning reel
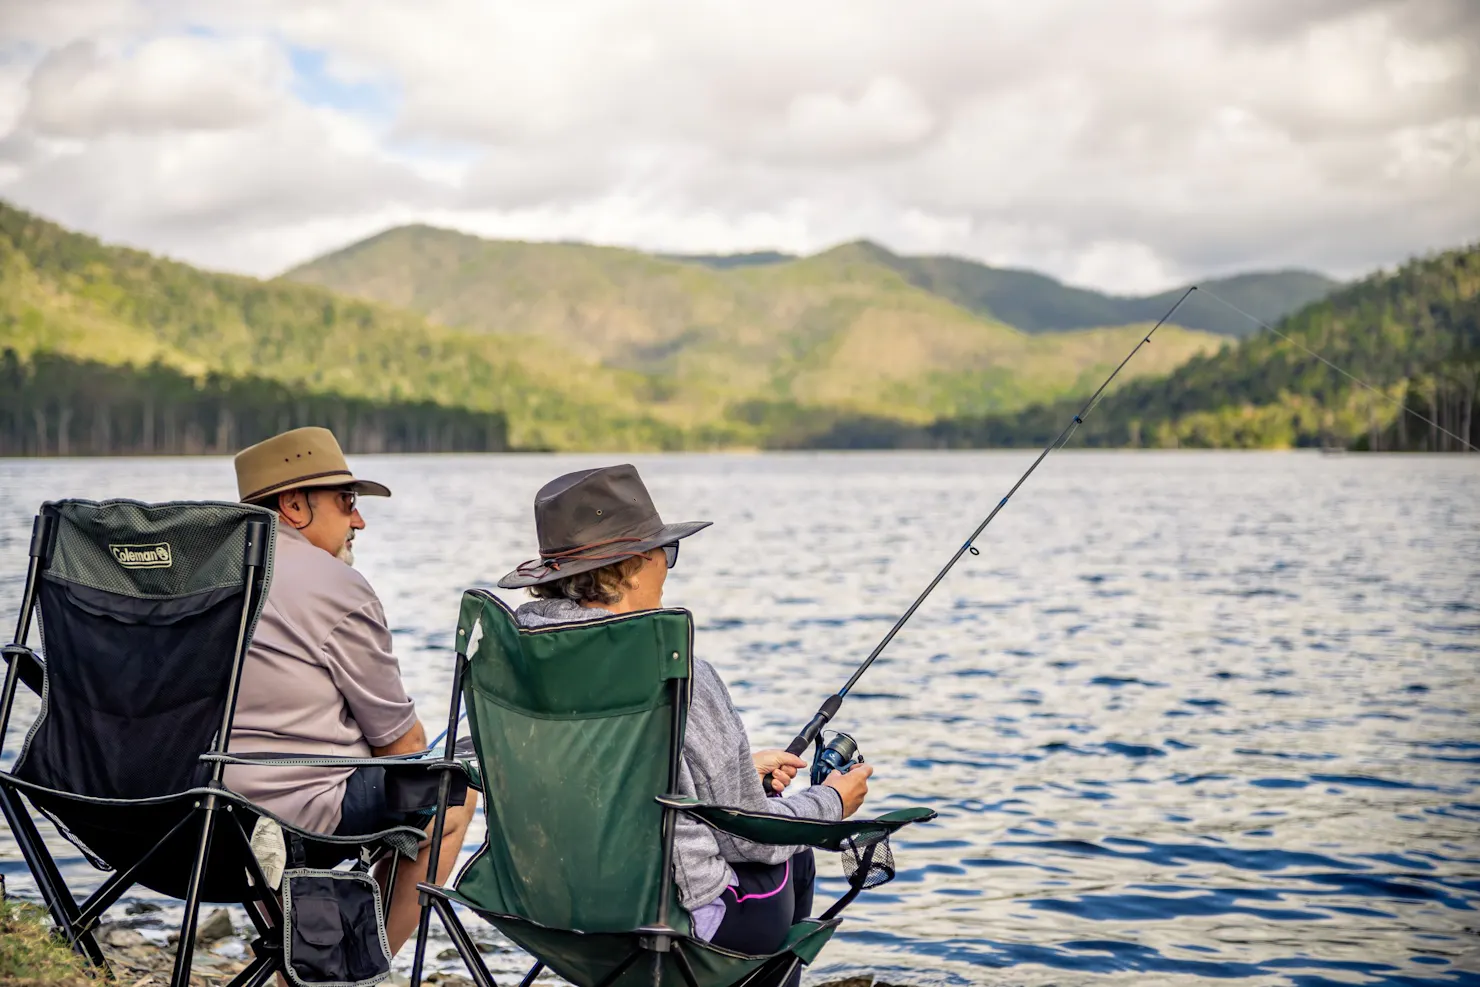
x=838 y=754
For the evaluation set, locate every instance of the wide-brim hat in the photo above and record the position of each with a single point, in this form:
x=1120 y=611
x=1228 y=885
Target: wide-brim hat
x=303 y=457
x=593 y=518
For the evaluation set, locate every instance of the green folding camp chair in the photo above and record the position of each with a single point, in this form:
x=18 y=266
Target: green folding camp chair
x=579 y=730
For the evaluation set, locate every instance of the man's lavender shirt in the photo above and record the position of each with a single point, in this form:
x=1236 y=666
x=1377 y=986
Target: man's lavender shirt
x=319 y=678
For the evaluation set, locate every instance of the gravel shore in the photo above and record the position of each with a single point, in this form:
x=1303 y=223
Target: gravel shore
x=140 y=960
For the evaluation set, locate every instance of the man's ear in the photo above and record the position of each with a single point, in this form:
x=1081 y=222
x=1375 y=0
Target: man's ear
x=293 y=505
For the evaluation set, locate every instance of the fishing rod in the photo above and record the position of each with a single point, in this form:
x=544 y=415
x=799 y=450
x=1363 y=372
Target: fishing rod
x=842 y=754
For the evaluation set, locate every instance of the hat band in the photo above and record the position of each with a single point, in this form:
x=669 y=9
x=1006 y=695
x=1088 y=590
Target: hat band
x=551 y=561
x=287 y=484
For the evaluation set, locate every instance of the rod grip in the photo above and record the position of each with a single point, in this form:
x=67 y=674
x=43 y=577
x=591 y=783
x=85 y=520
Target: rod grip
x=825 y=712
x=803 y=740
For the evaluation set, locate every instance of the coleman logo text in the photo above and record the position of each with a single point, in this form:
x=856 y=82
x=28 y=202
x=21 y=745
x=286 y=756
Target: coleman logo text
x=143 y=556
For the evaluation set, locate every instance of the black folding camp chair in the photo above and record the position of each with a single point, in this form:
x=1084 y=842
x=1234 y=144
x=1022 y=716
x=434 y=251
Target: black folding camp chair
x=146 y=612
x=579 y=729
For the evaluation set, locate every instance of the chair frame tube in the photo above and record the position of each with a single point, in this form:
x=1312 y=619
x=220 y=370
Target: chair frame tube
x=255 y=558
x=434 y=852
x=43 y=869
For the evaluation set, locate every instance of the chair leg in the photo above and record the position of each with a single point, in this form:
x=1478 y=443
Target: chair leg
x=59 y=902
x=611 y=978
x=762 y=976
x=790 y=968
x=534 y=971
x=684 y=970
x=394 y=870
x=185 y=949
x=271 y=905
x=114 y=888
x=256 y=973
x=462 y=942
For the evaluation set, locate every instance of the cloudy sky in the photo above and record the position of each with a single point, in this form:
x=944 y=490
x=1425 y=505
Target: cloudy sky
x=1125 y=145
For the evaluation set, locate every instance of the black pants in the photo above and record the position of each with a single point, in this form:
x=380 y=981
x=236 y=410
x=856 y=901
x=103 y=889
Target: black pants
x=770 y=899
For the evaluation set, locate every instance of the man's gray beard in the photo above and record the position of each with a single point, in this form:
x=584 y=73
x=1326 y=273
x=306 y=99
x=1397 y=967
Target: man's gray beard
x=346 y=553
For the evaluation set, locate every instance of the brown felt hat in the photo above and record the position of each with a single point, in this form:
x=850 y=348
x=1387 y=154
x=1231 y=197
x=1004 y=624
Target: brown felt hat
x=304 y=457
x=593 y=518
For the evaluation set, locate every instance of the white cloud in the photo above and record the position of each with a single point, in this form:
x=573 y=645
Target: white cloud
x=1126 y=145
x=85 y=89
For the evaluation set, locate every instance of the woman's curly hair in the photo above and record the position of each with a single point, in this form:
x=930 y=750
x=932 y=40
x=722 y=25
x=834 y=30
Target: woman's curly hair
x=604 y=585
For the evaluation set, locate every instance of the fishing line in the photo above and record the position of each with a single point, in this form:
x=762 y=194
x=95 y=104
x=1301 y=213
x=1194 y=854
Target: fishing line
x=830 y=706
x=1351 y=377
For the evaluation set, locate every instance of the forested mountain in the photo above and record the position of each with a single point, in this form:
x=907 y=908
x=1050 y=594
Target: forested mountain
x=66 y=294
x=564 y=346
x=1413 y=333
x=1037 y=303
x=786 y=345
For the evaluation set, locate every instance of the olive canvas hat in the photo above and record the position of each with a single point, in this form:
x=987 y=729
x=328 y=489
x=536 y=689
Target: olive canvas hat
x=303 y=457
x=593 y=518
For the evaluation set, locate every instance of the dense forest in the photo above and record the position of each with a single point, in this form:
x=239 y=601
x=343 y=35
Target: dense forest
x=54 y=405
x=67 y=294
x=1414 y=334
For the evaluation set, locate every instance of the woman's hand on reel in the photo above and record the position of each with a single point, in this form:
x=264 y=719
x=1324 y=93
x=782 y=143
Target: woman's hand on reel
x=780 y=766
x=852 y=785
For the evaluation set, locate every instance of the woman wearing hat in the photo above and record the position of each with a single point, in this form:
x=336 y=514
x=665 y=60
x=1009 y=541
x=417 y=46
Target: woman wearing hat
x=605 y=550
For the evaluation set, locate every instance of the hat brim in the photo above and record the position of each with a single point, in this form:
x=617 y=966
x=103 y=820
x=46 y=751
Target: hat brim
x=546 y=574
x=367 y=488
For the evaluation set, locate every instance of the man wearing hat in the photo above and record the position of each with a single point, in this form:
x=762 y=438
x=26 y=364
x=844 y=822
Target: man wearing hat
x=320 y=677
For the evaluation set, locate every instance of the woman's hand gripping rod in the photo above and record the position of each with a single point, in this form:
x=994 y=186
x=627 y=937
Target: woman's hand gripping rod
x=830 y=706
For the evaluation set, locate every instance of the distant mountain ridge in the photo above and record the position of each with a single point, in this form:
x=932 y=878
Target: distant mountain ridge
x=1413 y=334
x=775 y=346
x=457 y=342
x=572 y=347
x=1038 y=303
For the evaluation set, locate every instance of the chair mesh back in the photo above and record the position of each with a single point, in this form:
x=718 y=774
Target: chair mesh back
x=140 y=605
x=573 y=727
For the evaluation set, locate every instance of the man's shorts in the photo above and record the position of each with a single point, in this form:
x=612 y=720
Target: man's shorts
x=375 y=801
x=365 y=808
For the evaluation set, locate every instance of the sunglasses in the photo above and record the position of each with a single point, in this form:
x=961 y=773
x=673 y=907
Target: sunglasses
x=348 y=500
x=670 y=552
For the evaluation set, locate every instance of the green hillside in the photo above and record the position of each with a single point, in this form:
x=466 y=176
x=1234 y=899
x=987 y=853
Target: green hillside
x=764 y=345
x=67 y=294
x=1037 y=303
x=1414 y=333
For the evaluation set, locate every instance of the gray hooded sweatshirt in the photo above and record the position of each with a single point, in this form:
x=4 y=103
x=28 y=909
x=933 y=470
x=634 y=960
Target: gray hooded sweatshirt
x=716 y=768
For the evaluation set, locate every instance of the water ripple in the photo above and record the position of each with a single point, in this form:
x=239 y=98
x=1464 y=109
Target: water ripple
x=1188 y=716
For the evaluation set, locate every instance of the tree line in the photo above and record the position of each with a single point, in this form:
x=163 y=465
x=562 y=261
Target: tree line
x=1413 y=334
x=56 y=405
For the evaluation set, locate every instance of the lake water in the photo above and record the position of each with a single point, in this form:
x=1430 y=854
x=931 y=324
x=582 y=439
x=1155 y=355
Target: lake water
x=1187 y=717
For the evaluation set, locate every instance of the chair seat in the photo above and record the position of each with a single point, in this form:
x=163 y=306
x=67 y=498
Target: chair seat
x=116 y=835
x=588 y=958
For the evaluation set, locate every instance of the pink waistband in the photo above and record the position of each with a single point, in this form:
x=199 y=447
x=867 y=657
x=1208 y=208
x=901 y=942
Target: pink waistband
x=778 y=889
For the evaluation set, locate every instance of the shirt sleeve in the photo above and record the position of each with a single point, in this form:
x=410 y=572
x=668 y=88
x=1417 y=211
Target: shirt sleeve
x=744 y=789
x=358 y=655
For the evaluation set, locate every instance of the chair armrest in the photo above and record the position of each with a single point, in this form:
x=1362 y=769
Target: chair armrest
x=30 y=669
x=761 y=827
x=269 y=759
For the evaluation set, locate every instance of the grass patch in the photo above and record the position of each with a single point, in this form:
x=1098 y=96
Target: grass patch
x=30 y=957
